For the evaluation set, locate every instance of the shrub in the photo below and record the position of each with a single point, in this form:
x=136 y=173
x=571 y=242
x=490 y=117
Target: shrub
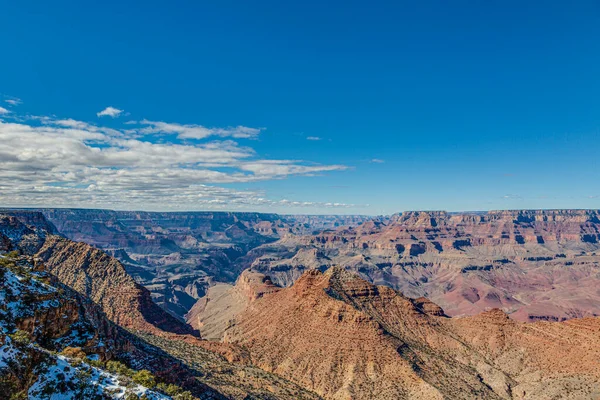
x=184 y=396
x=22 y=395
x=144 y=378
x=168 y=389
x=44 y=279
x=133 y=396
x=13 y=254
x=7 y=263
x=119 y=368
x=77 y=362
x=95 y=363
x=20 y=337
x=112 y=393
x=74 y=352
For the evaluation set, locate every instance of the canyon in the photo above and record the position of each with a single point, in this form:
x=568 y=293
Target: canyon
x=418 y=305
x=525 y=262
x=177 y=256
x=532 y=264
x=68 y=310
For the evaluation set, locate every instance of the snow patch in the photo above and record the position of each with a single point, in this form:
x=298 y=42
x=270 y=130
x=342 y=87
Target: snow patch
x=64 y=381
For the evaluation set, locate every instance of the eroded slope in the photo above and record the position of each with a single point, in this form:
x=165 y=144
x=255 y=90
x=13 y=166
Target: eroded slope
x=344 y=338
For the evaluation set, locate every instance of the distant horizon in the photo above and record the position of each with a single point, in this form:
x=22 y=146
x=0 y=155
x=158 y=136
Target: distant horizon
x=294 y=214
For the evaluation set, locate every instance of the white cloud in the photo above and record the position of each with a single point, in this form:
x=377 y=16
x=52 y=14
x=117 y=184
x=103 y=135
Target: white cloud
x=109 y=112
x=46 y=161
x=3 y=111
x=14 y=101
x=313 y=138
x=283 y=168
x=377 y=161
x=198 y=131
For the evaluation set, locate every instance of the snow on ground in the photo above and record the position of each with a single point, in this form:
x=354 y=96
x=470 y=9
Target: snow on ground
x=8 y=353
x=84 y=381
x=13 y=289
x=59 y=378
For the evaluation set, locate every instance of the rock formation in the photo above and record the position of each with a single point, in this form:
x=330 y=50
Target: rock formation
x=525 y=262
x=103 y=279
x=344 y=338
x=528 y=263
x=41 y=313
x=178 y=255
x=89 y=271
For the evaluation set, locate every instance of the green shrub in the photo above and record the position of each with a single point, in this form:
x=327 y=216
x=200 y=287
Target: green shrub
x=144 y=378
x=44 y=279
x=184 y=396
x=22 y=395
x=20 y=337
x=119 y=368
x=7 y=263
x=95 y=363
x=168 y=389
x=112 y=393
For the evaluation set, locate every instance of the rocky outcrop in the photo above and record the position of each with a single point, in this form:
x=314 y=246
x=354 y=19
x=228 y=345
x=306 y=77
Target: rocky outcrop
x=344 y=338
x=526 y=262
x=103 y=279
x=23 y=231
x=255 y=285
x=89 y=271
x=213 y=313
x=52 y=316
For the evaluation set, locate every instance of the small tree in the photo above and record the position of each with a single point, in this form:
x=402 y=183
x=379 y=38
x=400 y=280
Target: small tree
x=20 y=337
x=22 y=395
x=184 y=396
x=119 y=368
x=144 y=378
x=168 y=389
x=95 y=363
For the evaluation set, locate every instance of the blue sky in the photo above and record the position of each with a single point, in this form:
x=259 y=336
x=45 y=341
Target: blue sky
x=415 y=105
